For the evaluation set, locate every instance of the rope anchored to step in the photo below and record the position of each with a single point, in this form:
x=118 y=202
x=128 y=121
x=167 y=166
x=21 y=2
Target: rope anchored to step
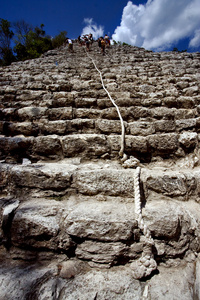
x=145 y=264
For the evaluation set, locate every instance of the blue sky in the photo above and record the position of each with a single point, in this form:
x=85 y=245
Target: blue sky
x=159 y=25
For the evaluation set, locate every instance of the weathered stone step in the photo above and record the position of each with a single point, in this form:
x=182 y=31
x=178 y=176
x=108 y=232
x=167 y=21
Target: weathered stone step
x=129 y=114
x=114 y=283
x=105 y=126
x=90 y=146
x=101 y=180
x=99 y=232
x=66 y=178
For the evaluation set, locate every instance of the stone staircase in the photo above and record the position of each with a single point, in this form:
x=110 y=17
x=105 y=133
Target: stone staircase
x=67 y=199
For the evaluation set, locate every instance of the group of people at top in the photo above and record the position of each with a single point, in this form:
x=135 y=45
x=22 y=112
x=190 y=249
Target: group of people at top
x=104 y=43
x=87 y=40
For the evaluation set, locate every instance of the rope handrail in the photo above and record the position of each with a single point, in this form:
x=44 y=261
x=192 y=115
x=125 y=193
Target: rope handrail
x=121 y=152
x=146 y=263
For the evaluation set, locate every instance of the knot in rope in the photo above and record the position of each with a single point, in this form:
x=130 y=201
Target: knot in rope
x=146 y=263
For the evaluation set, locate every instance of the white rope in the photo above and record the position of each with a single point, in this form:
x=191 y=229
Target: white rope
x=146 y=263
x=121 y=152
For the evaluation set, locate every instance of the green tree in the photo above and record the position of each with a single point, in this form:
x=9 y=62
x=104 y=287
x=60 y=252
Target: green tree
x=176 y=50
x=35 y=43
x=22 y=29
x=6 y=35
x=59 y=39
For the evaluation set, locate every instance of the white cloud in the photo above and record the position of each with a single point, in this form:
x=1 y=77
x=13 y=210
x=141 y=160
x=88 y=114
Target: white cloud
x=93 y=28
x=159 y=24
x=195 y=42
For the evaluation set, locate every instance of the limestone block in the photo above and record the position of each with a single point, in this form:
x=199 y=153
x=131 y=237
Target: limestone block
x=186 y=124
x=17 y=147
x=136 y=144
x=8 y=114
x=109 y=76
x=186 y=102
x=60 y=113
x=182 y=84
x=163 y=143
x=25 y=128
x=188 y=139
x=182 y=113
x=115 y=143
x=111 y=86
x=78 y=85
x=10 y=89
x=49 y=146
x=108 y=126
x=102 y=253
x=65 y=95
x=165 y=126
x=38 y=224
x=161 y=112
x=66 y=100
x=26 y=95
x=141 y=128
x=109 y=113
x=47 y=176
x=190 y=91
x=152 y=101
x=176 y=283
x=88 y=145
x=58 y=77
x=170 y=101
x=128 y=102
x=59 y=127
x=53 y=87
x=87 y=113
x=138 y=112
x=31 y=113
x=3 y=175
x=107 y=284
x=120 y=95
x=171 y=92
x=64 y=86
x=146 y=88
x=82 y=125
x=36 y=86
x=19 y=282
x=4 y=171
x=111 y=182
x=163 y=219
x=104 y=103
x=171 y=184
x=85 y=102
x=102 y=221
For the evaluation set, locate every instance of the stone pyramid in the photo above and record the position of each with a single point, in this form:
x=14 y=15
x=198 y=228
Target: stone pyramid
x=87 y=211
